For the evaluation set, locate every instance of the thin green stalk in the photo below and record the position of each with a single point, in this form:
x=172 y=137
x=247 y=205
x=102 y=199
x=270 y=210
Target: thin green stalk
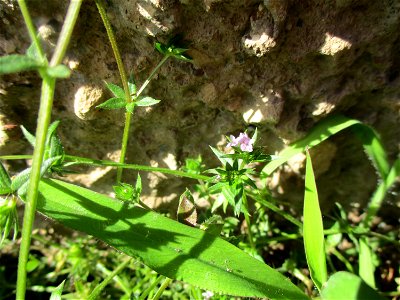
x=274 y=208
x=15 y=157
x=124 y=144
x=100 y=287
x=97 y=162
x=162 y=288
x=46 y=102
x=247 y=218
x=150 y=288
x=31 y=28
x=144 y=85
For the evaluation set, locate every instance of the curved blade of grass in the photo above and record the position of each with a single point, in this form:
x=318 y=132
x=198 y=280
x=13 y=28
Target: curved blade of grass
x=328 y=127
x=170 y=248
x=350 y=285
x=313 y=230
x=379 y=195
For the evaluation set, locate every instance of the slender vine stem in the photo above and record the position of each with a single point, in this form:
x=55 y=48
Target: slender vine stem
x=73 y=160
x=147 y=81
x=150 y=288
x=31 y=28
x=162 y=288
x=46 y=102
x=247 y=218
x=124 y=144
x=100 y=287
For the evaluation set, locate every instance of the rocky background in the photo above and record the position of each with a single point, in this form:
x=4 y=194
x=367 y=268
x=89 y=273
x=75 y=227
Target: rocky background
x=278 y=65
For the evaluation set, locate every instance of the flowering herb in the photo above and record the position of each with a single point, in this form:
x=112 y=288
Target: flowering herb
x=243 y=141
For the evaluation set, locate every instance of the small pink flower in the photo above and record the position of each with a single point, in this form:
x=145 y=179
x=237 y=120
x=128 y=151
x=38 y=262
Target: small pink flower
x=246 y=144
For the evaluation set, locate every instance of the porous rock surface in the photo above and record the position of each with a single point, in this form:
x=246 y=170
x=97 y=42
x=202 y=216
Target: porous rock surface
x=278 y=65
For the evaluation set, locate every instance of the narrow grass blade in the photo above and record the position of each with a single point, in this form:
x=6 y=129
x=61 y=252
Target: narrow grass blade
x=313 y=230
x=366 y=265
x=323 y=130
x=170 y=248
x=373 y=148
x=379 y=195
x=349 y=286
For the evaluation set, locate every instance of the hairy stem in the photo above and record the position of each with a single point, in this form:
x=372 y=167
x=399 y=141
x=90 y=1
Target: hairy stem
x=31 y=28
x=124 y=143
x=97 y=162
x=46 y=102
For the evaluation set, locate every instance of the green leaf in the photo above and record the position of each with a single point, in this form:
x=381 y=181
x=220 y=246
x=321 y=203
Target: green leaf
x=379 y=194
x=138 y=185
x=29 y=136
x=5 y=181
x=32 y=52
x=344 y=283
x=146 y=101
x=132 y=88
x=169 y=247
x=328 y=127
x=221 y=156
x=59 y=71
x=116 y=90
x=113 y=103
x=17 y=63
x=57 y=292
x=161 y=48
x=373 y=148
x=21 y=181
x=124 y=191
x=313 y=230
x=366 y=265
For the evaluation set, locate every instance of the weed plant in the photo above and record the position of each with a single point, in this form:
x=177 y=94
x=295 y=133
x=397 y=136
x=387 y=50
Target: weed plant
x=219 y=253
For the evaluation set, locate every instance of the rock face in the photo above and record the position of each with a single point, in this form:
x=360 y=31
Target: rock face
x=279 y=65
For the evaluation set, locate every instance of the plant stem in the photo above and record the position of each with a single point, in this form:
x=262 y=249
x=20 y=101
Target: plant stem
x=162 y=288
x=144 y=85
x=46 y=102
x=31 y=28
x=150 y=288
x=124 y=144
x=99 y=288
x=247 y=218
x=97 y=162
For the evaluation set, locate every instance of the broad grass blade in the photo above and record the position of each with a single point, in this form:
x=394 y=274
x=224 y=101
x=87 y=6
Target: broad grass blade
x=170 y=248
x=313 y=231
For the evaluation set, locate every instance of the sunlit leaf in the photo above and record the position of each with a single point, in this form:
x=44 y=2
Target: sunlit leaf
x=349 y=286
x=113 y=103
x=116 y=90
x=313 y=230
x=170 y=248
x=146 y=101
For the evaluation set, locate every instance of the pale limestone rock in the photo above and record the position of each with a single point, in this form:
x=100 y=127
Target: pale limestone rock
x=333 y=45
x=264 y=109
x=86 y=98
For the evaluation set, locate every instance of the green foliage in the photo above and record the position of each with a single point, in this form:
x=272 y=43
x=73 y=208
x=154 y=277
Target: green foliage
x=17 y=63
x=313 y=230
x=56 y=294
x=5 y=181
x=350 y=285
x=170 y=248
x=170 y=49
x=126 y=192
